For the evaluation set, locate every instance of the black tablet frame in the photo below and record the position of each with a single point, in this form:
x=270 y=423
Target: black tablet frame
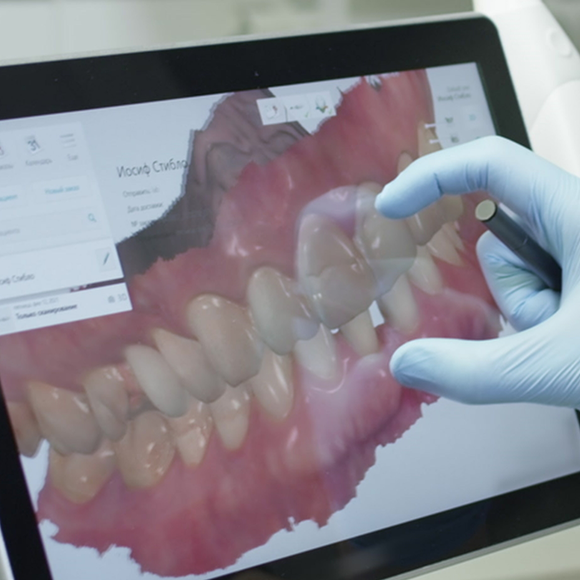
x=124 y=79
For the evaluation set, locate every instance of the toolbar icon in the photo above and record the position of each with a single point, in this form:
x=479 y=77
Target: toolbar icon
x=32 y=145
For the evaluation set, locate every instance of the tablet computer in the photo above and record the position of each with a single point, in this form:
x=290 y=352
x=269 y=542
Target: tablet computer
x=198 y=304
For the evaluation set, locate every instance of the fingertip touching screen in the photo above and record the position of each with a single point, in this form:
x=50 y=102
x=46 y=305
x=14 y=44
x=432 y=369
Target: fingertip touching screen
x=198 y=305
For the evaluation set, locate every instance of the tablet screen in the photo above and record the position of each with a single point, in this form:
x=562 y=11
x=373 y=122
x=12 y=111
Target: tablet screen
x=198 y=304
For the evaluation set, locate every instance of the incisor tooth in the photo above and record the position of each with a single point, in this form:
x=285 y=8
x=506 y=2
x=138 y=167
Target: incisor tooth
x=452 y=207
x=273 y=386
x=145 y=454
x=108 y=398
x=318 y=355
x=80 y=477
x=187 y=359
x=426 y=223
x=443 y=248
x=337 y=279
x=65 y=418
x=25 y=428
x=231 y=413
x=281 y=315
x=399 y=307
x=362 y=335
x=192 y=432
x=454 y=236
x=425 y=274
x=403 y=162
x=228 y=337
x=157 y=379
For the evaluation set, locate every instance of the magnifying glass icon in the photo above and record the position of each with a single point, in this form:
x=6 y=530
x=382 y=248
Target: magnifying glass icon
x=92 y=218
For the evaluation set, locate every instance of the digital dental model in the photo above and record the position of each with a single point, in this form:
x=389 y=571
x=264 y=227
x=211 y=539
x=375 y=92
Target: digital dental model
x=249 y=388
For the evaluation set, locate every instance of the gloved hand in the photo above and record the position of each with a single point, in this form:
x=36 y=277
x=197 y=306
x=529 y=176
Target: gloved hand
x=540 y=363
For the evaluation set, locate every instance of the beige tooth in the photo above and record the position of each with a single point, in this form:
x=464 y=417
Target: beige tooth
x=454 y=236
x=109 y=400
x=186 y=358
x=281 y=315
x=424 y=274
x=157 y=379
x=399 y=307
x=80 y=477
x=192 y=432
x=443 y=248
x=25 y=428
x=318 y=355
x=403 y=162
x=228 y=337
x=452 y=207
x=427 y=140
x=145 y=454
x=231 y=414
x=426 y=223
x=273 y=385
x=361 y=335
x=335 y=276
x=65 y=418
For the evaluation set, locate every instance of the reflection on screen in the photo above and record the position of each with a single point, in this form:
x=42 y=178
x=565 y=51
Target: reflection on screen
x=234 y=414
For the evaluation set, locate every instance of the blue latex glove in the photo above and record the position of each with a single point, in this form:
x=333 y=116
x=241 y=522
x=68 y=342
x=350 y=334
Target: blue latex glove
x=540 y=363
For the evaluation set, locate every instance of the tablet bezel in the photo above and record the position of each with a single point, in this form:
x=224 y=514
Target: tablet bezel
x=105 y=81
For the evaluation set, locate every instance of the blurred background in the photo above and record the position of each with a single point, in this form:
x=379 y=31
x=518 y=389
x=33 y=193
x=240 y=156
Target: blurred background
x=34 y=28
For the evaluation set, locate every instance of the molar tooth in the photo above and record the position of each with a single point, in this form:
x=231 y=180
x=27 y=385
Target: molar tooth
x=80 y=477
x=186 y=358
x=157 y=379
x=64 y=418
x=281 y=315
x=25 y=428
x=443 y=248
x=273 y=386
x=231 y=414
x=227 y=336
x=318 y=354
x=107 y=394
x=425 y=274
x=338 y=281
x=399 y=307
x=192 y=432
x=362 y=335
x=145 y=454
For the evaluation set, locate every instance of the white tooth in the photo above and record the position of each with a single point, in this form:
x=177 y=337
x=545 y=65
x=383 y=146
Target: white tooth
x=281 y=315
x=428 y=142
x=318 y=354
x=454 y=237
x=109 y=400
x=26 y=430
x=273 y=386
x=231 y=414
x=443 y=248
x=403 y=162
x=145 y=454
x=425 y=224
x=80 y=477
x=65 y=418
x=399 y=307
x=157 y=379
x=361 y=335
x=192 y=432
x=425 y=274
x=187 y=359
x=331 y=270
x=228 y=337
x=452 y=207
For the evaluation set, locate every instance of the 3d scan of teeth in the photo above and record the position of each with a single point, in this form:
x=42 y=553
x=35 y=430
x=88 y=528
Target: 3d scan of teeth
x=249 y=388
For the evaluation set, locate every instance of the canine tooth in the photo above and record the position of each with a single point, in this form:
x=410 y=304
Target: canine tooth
x=318 y=354
x=454 y=236
x=452 y=207
x=338 y=281
x=186 y=358
x=399 y=307
x=157 y=379
x=426 y=223
x=281 y=315
x=361 y=334
x=425 y=274
x=80 y=477
x=273 y=386
x=228 y=337
x=443 y=248
x=231 y=413
x=192 y=432
x=26 y=430
x=145 y=453
x=109 y=401
x=65 y=418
